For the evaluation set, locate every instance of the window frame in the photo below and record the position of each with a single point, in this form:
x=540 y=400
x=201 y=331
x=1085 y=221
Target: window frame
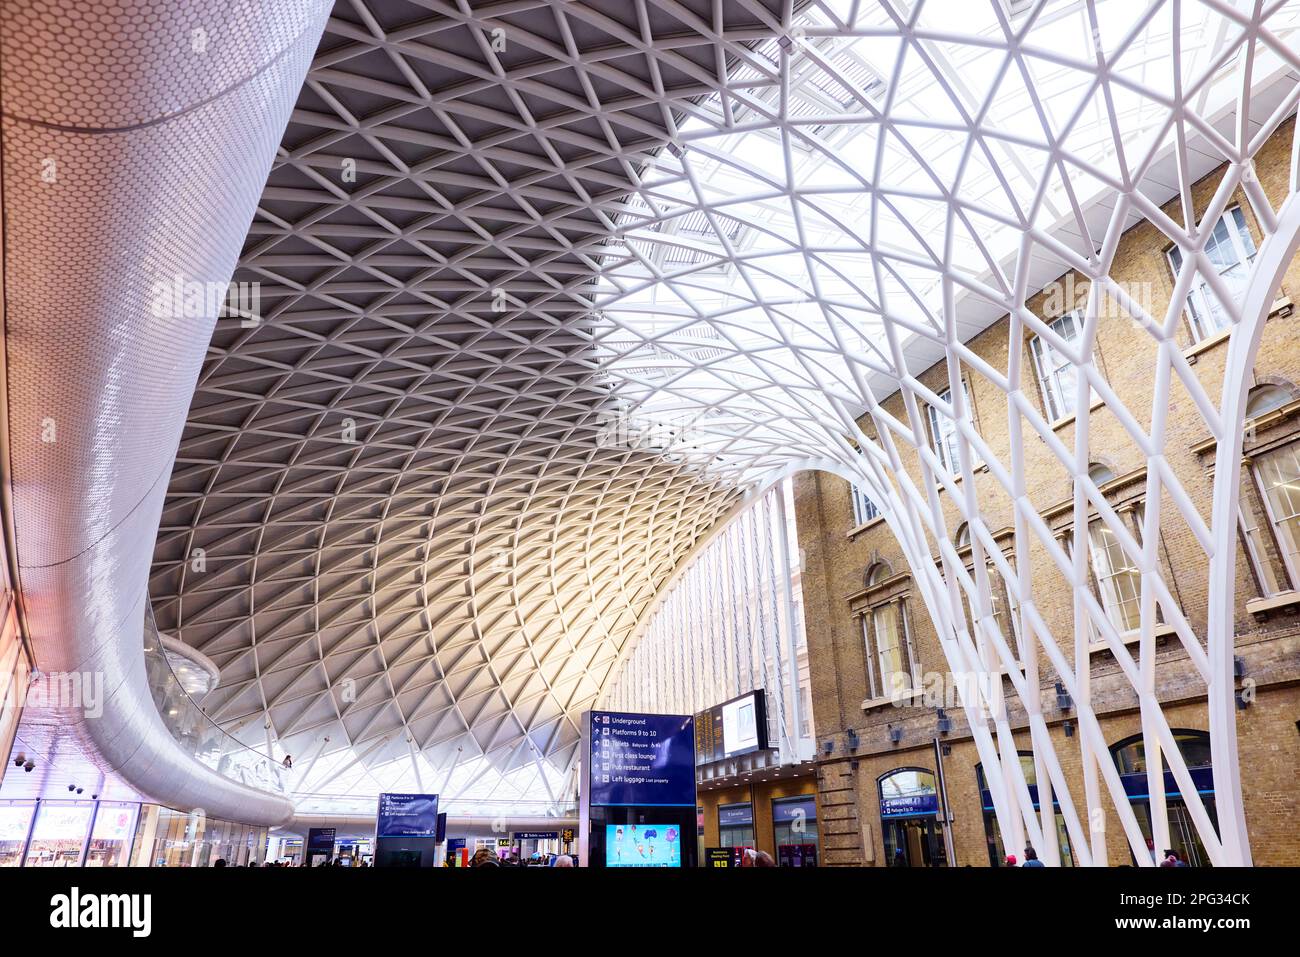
x=944 y=431
x=1048 y=381
x=1290 y=559
x=1111 y=602
x=876 y=682
x=1243 y=245
x=862 y=503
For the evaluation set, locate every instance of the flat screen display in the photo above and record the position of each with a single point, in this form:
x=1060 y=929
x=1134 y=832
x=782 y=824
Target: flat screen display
x=407 y=815
x=642 y=845
x=732 y=728
x=740 y=726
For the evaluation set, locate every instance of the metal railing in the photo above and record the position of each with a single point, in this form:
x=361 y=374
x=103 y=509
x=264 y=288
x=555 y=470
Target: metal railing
x=196 y=733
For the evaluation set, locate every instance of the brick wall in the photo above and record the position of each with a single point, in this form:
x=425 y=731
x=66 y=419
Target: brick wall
x=836 y=557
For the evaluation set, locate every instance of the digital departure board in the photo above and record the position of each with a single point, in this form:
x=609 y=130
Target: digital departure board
x=738 y=726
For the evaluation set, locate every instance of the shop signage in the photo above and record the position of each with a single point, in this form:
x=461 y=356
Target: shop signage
x=735 y=815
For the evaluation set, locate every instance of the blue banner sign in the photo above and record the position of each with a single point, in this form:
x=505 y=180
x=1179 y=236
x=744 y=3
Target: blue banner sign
x=785 y=811
x=1135 y=785
x=909 y=805
x=646 y=759
x=407 y=815
x=733 y=815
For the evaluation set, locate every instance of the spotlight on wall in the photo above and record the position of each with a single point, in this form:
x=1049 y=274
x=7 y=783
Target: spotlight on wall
x=945 y=722
x=1242 y=703
x=72 y=787
x=1068 y=727
x=828 y=747
x=853 y=739
x=1238 y=666
x=895 y=734
x=19 y=758
x=29 y=764
x=1063 y=700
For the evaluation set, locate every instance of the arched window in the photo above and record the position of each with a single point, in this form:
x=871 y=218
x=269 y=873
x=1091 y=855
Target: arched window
x=907 y=791
x=1131 y=761
x=1265 y=398
x=1100 y=474
x=909 y=818
x=962 y=538
x=876 y=573
x=993 y=834
x=1131 y=754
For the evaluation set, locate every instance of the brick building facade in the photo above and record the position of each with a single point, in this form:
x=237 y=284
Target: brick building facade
x=862 y=610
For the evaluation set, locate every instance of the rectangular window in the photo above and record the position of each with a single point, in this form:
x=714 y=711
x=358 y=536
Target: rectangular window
x=1279 y=479
x=1257 y=550
x=943 y=431
x=864 y=510
x=1056 y=374
x=1118 y=578
x=1230 y=251
x=1003 y=609
x=889 y=657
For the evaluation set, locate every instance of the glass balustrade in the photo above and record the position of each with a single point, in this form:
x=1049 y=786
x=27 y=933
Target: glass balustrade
x=196 y=733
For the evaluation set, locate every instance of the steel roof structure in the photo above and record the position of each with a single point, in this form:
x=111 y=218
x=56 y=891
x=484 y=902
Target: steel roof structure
x=546 y=288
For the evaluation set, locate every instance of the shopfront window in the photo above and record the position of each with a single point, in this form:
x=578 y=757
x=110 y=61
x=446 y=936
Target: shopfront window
x=735 y=825
x=59 y=834
x=170 y=838
x=794 y=826
x=15 y=822
x=993 y=833
x=909 y=818
x=1131 y=760
x=110 y=838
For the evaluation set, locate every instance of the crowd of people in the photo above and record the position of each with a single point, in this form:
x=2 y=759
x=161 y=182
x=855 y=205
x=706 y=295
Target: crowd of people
x=487 y=857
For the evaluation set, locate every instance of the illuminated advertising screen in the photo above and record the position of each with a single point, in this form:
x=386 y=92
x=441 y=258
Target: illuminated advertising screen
x=642 y=845
x=740 y=726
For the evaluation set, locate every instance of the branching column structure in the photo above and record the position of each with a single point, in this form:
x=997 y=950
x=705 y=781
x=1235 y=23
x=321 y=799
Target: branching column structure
x=880 y=182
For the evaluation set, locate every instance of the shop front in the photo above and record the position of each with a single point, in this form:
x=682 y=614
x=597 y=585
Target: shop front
x=909 y=819
x=736 y=825
x=794 y=828
x=1194 y=746
x=993 y=834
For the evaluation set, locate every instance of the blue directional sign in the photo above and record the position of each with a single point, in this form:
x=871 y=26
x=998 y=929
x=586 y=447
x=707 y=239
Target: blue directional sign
x=407 y=815
x=642 y=759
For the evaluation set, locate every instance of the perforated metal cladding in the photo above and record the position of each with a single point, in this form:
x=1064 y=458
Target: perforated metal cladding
x=113 y=65
x=100 y=366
